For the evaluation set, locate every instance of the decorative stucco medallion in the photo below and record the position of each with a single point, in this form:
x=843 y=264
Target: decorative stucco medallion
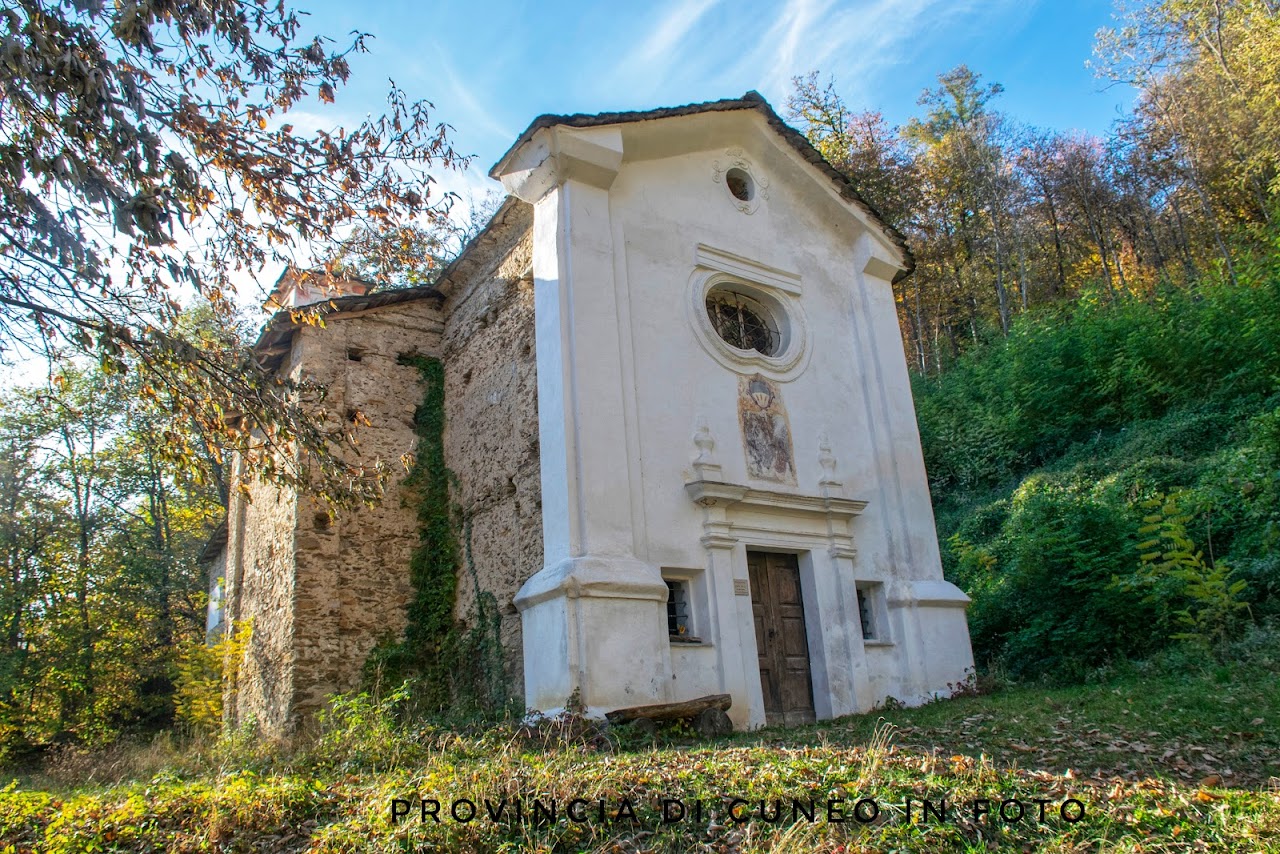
x=746 y=188
x=766 y=432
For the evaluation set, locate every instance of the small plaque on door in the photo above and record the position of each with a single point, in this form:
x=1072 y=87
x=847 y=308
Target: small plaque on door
x=740 y=587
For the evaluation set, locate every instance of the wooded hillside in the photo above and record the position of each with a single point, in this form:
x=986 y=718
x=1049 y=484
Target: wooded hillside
x=1004 y=218
x=1093 y=326
x=1094 y=329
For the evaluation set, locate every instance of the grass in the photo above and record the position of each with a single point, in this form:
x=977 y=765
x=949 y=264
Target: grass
x=1181 y=755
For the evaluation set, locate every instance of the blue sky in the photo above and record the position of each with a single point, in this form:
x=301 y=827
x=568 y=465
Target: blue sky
x=490 y=68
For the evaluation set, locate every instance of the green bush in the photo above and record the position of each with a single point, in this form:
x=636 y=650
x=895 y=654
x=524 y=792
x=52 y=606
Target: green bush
x=1042 y=447
x=1171 y=563
x=1067 y=373
x=207 y=673
x=1043 y=605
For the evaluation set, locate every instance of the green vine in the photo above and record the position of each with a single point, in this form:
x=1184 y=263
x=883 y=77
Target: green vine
x=482 y=683
x=450 y=669
x=426 y=651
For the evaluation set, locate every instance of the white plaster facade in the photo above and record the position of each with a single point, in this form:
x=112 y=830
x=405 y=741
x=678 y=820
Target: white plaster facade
x=643 y=471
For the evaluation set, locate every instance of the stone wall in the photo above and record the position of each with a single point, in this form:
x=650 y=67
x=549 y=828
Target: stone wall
x=352 y=571
x=322 y=589
x=260 y=589
x=491 y=426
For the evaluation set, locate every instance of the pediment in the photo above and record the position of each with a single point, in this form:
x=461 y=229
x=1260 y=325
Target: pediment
x=593 y=147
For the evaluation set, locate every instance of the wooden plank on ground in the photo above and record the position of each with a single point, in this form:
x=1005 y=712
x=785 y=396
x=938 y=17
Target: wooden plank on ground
x=671 y=711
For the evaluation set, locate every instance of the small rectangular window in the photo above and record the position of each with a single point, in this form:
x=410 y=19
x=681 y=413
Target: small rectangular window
x=871 y=612
x=686 y=603
x=678 y=608
x=865 y=615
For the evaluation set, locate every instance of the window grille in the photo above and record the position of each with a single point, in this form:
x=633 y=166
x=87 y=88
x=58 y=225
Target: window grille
x=866 y=615
x=677 y=609
x=743 y=322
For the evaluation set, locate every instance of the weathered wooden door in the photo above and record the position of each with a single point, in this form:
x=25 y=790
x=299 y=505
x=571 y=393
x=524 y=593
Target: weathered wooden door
x=781 y=643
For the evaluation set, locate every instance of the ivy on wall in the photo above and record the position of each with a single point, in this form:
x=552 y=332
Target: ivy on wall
x=481 y=682
x=451 y=669
x=430 y=638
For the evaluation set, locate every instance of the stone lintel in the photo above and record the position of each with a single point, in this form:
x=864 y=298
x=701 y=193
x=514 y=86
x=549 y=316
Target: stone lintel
x=711 y=493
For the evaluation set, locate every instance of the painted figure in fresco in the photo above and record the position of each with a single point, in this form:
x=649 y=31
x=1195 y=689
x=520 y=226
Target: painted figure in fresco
x=766 y=434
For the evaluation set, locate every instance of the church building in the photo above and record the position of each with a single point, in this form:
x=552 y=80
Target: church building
x=679 y=422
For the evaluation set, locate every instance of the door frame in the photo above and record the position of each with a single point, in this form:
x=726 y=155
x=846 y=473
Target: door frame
x=805 y=600
x=819 y=530
x=818 y=684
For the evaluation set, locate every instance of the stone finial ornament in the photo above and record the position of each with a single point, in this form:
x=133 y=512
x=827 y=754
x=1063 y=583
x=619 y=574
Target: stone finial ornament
x=704 y=463
x=827 y=460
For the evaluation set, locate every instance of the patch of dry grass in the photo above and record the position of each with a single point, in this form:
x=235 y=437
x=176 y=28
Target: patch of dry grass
x=1147 y=763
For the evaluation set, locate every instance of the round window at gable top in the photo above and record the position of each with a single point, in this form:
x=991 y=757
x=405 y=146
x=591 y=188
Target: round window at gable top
x=743 y=322
x=740 y=185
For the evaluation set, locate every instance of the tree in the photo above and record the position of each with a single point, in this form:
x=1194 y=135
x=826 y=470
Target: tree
x=99 y=582
x=26 y=512
x=145 y=159
x=412 y=254
x=875 y=158
x=1208 y=77
x=963 y=162
x=862 y=145
x=1001 y=217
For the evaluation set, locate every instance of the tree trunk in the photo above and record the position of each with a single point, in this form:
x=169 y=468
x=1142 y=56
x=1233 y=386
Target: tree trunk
x=1061 y=284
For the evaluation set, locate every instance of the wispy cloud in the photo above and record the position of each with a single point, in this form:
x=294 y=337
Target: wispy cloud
x=651 y=59
x=800 y=23
x=469 y=187
x=477 y=114
x=861 y=42
x=675 y=24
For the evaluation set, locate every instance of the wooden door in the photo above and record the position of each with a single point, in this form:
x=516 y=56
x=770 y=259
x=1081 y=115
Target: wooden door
x=781 y=642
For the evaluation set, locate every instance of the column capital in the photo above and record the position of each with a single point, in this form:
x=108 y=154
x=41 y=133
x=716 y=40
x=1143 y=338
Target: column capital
x=558 y=154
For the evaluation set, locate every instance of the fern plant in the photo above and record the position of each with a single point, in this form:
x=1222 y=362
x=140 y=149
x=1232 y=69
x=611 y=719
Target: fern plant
x=1215 y=600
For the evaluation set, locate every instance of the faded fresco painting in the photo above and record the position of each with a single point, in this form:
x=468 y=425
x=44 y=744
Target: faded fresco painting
x=766 y=433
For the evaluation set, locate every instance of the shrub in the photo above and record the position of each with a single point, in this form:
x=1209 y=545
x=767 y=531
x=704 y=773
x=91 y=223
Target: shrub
x=1065 y=373
x=1043 y=605
x=1172 y=565
x=1042 y=447
x=206 y=673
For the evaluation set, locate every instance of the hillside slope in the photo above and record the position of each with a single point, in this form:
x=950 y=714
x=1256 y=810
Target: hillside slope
x=1186 y=757
x=1066 y=459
